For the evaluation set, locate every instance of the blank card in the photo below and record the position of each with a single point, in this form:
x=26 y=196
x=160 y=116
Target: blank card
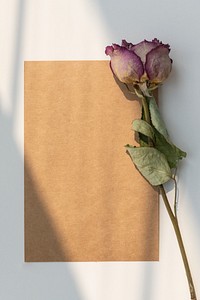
x=84 y=199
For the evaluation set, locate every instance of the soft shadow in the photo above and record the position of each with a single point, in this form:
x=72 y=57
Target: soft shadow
x=11 y=221
x=126 y=90
x=16 y=275
x=41 y=241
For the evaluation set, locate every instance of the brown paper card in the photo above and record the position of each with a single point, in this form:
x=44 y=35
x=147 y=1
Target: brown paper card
x=84 y=199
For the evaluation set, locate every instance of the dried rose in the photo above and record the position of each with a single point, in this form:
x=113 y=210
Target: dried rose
x=145 y=61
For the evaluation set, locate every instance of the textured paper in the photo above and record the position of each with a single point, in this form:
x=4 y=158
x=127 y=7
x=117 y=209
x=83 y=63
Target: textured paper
x=84 y=199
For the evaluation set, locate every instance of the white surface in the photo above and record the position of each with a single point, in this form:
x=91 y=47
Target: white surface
x=80 y=29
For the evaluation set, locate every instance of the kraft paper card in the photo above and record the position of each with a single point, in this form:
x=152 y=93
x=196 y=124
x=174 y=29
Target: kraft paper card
x=84 y=199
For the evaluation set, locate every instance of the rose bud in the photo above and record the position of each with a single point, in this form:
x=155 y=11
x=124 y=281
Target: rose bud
x=145 y=61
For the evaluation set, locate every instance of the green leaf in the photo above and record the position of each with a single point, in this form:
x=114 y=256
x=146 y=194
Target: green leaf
x=173 y=154
x=144 y=128
x=156 y=118
x=151 y=163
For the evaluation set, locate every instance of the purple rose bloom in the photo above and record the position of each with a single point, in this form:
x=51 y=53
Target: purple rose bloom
x=145 y=61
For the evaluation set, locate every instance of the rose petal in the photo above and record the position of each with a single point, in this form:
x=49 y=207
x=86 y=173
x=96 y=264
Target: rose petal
x=158 y=64
x=143 y=48
x=126 y=65
x=116 y=46
x=156 y=41
x=109 y=50
x=126 y=44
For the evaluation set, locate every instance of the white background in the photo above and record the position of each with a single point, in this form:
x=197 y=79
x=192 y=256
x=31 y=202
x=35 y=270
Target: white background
x=80 y=29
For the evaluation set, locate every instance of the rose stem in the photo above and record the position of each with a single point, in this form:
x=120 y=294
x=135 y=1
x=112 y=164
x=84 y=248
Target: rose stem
x=146 y=110
x=173 y=217
x=175 y=224
x=147 y=116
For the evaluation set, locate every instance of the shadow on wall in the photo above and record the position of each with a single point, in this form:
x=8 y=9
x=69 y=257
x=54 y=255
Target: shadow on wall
x=11 y=216
x=17 y=278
